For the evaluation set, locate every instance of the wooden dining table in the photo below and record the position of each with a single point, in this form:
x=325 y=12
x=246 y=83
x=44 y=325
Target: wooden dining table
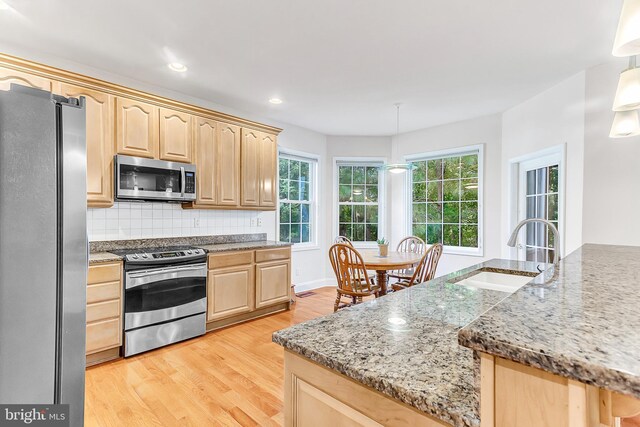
x=393 y=261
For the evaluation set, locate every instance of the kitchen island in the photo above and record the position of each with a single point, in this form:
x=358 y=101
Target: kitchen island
x=550 y=354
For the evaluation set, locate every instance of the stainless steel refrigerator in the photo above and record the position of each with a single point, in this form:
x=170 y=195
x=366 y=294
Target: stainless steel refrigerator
x=43 y=249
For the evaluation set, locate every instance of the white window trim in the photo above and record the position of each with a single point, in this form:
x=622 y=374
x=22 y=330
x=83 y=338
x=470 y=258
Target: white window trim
x=314 y=190
x=382 y=206
x=453 y=250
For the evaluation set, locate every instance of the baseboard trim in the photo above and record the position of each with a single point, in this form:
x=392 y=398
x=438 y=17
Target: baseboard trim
x=314 y=284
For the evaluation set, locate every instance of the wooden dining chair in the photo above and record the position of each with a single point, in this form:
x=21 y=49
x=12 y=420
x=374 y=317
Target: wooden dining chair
x=353 y=281
x=426 y=269
x=411 y=244
x=343 y=239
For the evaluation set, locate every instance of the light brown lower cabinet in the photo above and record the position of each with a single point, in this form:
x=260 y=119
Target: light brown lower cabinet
x=273 y=283
x=229 y=292
x=104 y=310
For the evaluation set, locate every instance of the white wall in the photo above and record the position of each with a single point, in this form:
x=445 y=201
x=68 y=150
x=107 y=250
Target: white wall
x=611 y=171
x=484 y=130
x=551 y=118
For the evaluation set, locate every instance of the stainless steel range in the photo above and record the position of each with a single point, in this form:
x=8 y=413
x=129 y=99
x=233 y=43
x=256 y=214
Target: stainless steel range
x=165 y=297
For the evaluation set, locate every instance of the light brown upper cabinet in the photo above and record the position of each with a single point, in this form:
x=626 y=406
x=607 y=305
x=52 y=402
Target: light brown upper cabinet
x=176 y=133
x=228 y=173
x=8 y=76
x=250 y=165
x=136 y=128
x=268 y=165
x=206 y=158
x=100 y=144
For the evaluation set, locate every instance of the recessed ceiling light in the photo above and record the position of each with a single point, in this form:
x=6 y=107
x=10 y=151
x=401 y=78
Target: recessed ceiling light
x=275 y=101
x=177 y=67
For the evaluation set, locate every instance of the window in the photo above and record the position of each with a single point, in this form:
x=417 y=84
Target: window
x=444 y=194
x=297 y=198
x=359 y=188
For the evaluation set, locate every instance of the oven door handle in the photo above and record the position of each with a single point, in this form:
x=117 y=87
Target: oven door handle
x=142 y=278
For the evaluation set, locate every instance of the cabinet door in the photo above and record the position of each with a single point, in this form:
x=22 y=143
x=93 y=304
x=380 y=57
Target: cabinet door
x=8 y=76
x=229 y=292
x=273 y=283
x=100 y=143
x=250 y=166
x=175 y=136
x=268 y=172
x=206 y=158
x=228 y=177
x=136 y=128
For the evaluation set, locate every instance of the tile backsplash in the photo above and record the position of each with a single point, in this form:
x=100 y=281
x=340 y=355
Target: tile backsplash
x=132 y=220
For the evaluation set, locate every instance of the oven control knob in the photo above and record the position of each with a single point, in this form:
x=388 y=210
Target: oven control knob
x=189 y=252
x=135 y=256
x=145 y=256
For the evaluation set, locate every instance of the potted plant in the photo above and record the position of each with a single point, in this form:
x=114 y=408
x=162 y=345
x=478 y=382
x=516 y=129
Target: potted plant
x=383 y=246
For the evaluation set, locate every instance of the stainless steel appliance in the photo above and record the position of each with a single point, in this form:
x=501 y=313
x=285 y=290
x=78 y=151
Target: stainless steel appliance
x=165 y=297
x=149 y=179
x=43 y=249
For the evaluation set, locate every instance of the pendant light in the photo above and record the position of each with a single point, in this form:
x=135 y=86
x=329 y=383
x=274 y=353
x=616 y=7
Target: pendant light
x=625 y=123
x=627 y=41
x=398 y=168
x=628 y=93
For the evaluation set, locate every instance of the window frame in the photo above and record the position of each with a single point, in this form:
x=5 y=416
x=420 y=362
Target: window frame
x=360 y=161
x=314 y=165
x=408 y=196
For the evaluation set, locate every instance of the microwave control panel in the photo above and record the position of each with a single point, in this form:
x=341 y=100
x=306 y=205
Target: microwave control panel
x=190 y=182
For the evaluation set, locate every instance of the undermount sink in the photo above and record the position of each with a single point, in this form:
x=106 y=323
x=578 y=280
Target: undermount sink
x=493 y=281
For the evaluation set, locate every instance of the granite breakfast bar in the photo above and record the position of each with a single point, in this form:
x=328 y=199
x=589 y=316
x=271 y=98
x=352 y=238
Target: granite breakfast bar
x=560 y=353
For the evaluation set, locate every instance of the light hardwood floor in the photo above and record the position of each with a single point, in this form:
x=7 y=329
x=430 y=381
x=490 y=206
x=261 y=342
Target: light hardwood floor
x=231 y=377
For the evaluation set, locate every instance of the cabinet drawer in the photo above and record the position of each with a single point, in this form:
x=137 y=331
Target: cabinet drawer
x=103 y=292
x=104 y=272
x=263 y=255
x=103 y=335
x=103 y=310
x=230 y=259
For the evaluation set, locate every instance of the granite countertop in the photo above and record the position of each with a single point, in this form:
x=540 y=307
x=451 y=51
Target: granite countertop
x=420 y=362
x=258 y=244
x=583 y=325
x=99 y=257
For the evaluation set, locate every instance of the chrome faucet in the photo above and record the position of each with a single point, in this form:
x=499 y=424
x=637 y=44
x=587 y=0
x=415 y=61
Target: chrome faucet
x=554 y=230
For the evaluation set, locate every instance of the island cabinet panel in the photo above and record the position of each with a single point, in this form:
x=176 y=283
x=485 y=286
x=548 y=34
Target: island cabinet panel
x=273 y=283
x=100 y=143
x=229 y=292
x=268 y=169
x=104 y=310
x=206 y=159
x=176 y=135
x=250 y=168
x=9 y=76
x=228 y=170
x=136 y=128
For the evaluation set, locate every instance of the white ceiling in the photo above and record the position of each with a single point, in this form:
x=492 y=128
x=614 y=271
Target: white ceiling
x=339 y=65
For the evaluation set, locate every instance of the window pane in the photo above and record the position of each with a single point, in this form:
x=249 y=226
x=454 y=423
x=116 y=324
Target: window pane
x=372 y=232
x=434 y=191
x=451 y=235
x=305 y=233
x=451 y=190
x=304 y=191
x=295 y=213
x=372 y=175
x=451 y=212
x=469 y=166
x=419 y=213
x=541 y=206
x=531 y=207
x=541 y=181
x=345 y=230
x=469 y=236
x=358 y=213
x=358 y=194
x=345 y=193
x=345 y=213
x=531 y=182
x=344 y=173
x=469 y=212
x=552 y=214
x=284 y=189
x=371 y=216
x=295 y=233
x=294 y=190
x=469 y=189
x=420 y=172
x=372 y=193
x=358 y=175
x=553 y=179
x=434 y=212
x=294 y=170
x=284 y=169
x=434 y=233
x=434 y=169
x=285 y=212
x=420 y=230
x=419 y=192
x=452 y=168
x=284 y=232
x=304 y=172
x=358 y=232
x=304 y=212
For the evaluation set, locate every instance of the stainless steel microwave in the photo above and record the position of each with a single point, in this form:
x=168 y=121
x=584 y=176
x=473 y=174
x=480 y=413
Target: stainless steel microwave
x=138 y=178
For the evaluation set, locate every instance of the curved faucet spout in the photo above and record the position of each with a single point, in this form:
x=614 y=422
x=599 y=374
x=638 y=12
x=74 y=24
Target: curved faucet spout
x=554 y=230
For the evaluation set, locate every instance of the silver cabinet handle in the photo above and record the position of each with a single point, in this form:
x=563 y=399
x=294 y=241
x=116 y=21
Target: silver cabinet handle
x=183 y=179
